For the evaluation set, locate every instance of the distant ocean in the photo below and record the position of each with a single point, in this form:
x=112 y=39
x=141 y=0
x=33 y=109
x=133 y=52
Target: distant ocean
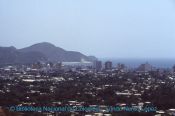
x=133 y=63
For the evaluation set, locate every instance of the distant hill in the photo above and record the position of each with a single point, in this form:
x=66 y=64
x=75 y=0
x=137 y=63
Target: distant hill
x=40 y=52
x=55 y=54
x=10 y=55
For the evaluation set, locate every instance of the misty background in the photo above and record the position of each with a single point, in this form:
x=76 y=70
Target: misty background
x=104 y=28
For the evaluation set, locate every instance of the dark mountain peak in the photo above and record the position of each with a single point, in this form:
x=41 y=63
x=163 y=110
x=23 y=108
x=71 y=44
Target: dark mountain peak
x=44 y=44
x=12 y=47
x=44 y=47
x=41 y=51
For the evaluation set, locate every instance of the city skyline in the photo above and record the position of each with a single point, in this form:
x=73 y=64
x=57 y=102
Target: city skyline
x=113 y=29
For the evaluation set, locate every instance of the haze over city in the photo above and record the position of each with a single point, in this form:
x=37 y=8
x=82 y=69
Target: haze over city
x=117 y=29
x=87 y=57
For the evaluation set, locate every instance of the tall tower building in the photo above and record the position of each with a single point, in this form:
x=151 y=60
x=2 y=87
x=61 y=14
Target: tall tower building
x=145 y=67
x=97 y=65
x=174 y=68
x=108 y=65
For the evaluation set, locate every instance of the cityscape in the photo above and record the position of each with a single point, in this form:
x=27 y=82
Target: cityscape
x=112 y=90
x=87 y=58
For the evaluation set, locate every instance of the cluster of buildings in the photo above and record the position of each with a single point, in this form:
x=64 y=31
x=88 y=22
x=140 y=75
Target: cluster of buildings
x=87 y=84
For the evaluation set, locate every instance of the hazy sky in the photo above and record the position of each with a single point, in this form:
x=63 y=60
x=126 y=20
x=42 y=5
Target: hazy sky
x=104 y=28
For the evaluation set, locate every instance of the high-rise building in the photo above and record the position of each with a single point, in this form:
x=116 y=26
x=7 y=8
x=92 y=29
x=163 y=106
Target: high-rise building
x=174 y=68
x=145 y=67
x=108 y=65
x=97 y=65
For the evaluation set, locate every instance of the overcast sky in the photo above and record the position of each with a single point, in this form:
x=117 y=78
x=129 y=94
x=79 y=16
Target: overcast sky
x=104 y=28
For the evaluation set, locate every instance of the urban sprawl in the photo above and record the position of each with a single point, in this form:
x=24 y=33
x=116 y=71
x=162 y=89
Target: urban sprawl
x=113 y=90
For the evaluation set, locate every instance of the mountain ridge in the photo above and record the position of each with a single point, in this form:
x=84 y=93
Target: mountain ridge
x=44 y=51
